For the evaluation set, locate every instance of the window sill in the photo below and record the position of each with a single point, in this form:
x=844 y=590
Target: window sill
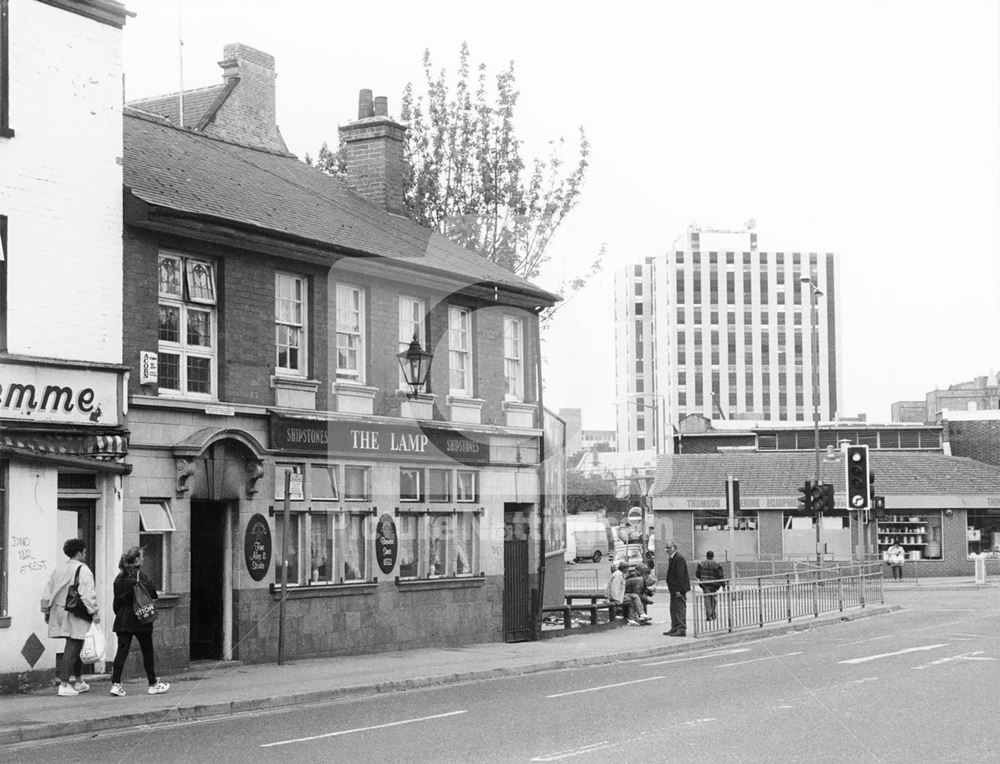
x=324 y=590
x=167 y=601
x=6 y=132
x=451 y=582
x=5 y=622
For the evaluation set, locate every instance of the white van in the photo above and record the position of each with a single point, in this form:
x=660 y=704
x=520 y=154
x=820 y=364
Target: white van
x=588 y=538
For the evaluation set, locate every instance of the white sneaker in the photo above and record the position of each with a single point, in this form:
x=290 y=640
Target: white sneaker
x=645 y=617
x=65 y=691
x=632 y=622
x=156 y=689
x=81 y=686
x=117 y=689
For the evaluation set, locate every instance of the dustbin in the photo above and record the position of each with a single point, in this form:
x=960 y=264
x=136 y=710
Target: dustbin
x=980 y=563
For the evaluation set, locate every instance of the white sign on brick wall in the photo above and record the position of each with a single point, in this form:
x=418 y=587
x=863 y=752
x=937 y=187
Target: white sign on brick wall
x=148 y=368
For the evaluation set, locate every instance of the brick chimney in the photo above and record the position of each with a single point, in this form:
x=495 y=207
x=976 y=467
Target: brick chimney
x=248 y=114
x=374 y=146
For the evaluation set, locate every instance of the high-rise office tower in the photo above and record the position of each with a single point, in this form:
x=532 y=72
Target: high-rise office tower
x=721 y=329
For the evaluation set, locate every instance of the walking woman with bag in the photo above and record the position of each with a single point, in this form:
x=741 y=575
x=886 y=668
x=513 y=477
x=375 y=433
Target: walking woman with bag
x=69 y=603
x=128 y=624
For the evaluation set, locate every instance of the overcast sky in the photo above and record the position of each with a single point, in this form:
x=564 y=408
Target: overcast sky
x=865 y=128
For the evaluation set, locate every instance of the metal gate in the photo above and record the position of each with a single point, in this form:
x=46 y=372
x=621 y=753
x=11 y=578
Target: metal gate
x=517 y=623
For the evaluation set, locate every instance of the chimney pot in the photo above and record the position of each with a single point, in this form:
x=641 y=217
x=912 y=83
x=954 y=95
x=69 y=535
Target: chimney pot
x=365 y=107
x=381 y=106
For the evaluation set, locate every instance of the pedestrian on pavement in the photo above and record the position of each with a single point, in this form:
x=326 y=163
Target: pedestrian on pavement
x=63 y=623
x=635 y=590
x=895 y=555
x=710 y=574
x=128 y=626
x=651 y=547
x=678 y=584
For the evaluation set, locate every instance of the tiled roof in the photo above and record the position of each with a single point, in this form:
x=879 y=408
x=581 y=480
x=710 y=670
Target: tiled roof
x=781 y=473
x=196 y=103
x=279 y=195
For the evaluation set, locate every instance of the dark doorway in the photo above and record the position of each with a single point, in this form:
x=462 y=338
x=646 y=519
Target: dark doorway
x=76 y=521
x=517 y=612
x=207 y=576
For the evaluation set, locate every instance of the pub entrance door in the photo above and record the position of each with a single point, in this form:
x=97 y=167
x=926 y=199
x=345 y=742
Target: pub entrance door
x=517 y=611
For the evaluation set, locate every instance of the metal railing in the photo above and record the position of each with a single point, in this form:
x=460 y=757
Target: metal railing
x=583 y=580
x=753 y=602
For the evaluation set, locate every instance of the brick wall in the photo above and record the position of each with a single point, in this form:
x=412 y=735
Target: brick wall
x=976 y=439
x=248 y=116
x=374 y=148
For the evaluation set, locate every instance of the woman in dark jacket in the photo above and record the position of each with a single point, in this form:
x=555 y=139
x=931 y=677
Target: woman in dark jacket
x=128 y=626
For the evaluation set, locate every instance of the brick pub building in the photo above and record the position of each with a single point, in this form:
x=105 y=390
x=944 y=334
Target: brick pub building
x=265 y=305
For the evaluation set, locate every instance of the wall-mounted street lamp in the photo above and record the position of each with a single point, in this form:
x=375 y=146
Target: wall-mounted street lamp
x=416 y=365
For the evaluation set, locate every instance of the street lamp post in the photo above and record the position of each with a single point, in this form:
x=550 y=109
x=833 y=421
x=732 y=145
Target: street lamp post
x=659 y=429
x=814 y=294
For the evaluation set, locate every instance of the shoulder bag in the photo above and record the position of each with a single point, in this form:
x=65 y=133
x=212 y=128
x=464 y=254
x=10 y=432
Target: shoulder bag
x=144 y=609
x=74 y=603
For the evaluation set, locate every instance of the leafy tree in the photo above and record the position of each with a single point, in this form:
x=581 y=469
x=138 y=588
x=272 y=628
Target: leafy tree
x=331 y=162
x=466 y=177
x=589 y=494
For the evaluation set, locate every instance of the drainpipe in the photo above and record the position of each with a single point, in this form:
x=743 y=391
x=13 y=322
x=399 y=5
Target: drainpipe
x=539 y=603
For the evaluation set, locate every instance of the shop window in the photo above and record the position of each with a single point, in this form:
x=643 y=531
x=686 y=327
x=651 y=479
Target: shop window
x=439 y=485
x=156 y=527
x=919 y=535
x=718 y=520
x=412 y=315
x=408 y=528
x=320 y=548
x=323 y=482
x=513 y=360
x=353 y=547
x=290 y=324
x=460 y=350
x=411 y=484
x=466 y=543
x=982 y=532
x=291 y=563
x=279 y=481
x=187 y=331
x=357 y=483
x=350 y=333
x=438 y=537
x=468 y=486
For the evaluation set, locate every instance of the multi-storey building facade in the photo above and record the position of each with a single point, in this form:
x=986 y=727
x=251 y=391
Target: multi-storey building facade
x=722 y=329
x=266 y=304
x=62 y=381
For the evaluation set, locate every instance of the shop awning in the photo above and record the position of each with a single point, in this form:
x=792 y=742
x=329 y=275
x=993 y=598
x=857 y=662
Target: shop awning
x=100 y=452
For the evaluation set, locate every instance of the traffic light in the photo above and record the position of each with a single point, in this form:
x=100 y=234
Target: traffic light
x=805 y=500
x=828 y=505
x=878 y=506
x=858 y=478
x=817 y=497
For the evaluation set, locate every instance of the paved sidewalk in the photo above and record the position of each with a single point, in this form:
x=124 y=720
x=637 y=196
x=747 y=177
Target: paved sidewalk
x=228 y=688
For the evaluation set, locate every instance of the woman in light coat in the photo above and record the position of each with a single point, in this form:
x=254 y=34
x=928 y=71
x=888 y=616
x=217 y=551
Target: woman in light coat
x=62 y=623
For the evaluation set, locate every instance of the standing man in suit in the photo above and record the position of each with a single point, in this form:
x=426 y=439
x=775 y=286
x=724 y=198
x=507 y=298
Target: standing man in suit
x=678 y=584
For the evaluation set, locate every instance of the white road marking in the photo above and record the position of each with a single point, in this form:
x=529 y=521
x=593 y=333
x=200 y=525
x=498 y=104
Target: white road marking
x=898 y=652
x=863 y=641
x=605 y=687
x=700 y=657
x=569 y=753
x=754 y=660
x=361 y=729
x=973 y=656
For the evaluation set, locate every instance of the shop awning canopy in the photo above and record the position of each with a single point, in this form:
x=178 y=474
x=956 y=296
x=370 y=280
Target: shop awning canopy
x=98 y=452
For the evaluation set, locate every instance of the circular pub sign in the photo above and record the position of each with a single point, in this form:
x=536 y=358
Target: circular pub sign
x=257 y=547
x=386 y=544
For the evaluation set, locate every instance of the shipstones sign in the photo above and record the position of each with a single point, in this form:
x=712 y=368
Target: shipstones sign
x=386 y=544
x=257 y=547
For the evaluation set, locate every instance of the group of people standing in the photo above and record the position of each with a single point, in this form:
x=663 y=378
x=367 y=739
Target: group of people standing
x=73 y=627
x=634 y=589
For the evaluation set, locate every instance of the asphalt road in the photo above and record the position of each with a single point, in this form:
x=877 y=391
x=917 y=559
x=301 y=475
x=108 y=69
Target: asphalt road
x=917 y=684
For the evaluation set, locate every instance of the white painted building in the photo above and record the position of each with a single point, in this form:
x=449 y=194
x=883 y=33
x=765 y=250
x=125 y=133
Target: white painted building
x=62 y=382
x=718 y=328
